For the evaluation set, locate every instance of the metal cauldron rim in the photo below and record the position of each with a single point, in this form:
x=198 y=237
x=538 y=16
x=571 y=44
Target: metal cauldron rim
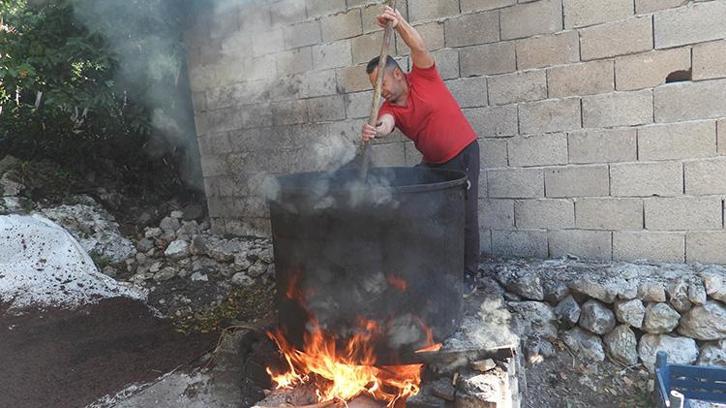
x=456 y=178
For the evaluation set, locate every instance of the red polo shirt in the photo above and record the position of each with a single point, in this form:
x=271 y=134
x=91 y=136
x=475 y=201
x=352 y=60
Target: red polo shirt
x=431 y=117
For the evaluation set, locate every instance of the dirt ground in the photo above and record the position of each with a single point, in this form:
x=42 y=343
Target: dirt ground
x=68 y=359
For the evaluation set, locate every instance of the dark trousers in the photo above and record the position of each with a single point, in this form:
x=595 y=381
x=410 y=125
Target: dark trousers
x=468 y=162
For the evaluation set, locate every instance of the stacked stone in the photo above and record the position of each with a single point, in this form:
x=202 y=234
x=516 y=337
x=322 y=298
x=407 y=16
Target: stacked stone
x=627 y=312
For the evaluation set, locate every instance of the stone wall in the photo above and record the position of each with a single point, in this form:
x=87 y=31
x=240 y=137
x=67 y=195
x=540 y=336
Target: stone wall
x=586 y=150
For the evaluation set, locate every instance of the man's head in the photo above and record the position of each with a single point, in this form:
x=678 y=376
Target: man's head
x=394 y=80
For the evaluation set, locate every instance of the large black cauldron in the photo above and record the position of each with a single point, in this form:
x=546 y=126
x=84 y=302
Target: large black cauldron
x=390 y=250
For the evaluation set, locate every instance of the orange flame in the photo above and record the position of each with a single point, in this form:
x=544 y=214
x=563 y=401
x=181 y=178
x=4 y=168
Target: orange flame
x=343 y=374
x=397 y=282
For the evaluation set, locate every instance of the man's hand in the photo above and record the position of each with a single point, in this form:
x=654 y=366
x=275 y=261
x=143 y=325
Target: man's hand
x=389 y=14
x=370 y=132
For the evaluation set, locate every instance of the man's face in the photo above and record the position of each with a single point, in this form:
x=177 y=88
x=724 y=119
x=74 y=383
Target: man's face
x=394 y=83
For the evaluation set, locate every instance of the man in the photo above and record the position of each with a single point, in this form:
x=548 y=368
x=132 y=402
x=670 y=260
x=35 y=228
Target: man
x=421 y=106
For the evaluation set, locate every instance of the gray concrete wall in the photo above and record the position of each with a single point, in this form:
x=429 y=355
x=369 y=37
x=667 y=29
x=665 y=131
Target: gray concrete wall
x=585 y=149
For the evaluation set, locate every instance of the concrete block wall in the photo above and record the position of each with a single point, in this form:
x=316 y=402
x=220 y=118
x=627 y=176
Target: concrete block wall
x=602 y=123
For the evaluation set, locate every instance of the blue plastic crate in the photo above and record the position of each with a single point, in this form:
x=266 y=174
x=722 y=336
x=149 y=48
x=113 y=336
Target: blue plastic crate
x=677 y=384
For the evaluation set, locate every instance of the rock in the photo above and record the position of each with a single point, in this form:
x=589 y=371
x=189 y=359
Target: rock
x=555 y=290
x=144 y=245
x=534 y=319
x=177 y=249
x=8 y=163
x=241 y=262
x=652 y=292
x=512 y=297
x=596 y=317
x=714 y=278
x=697 y=293
x=536 y=349
x=110 y=271
x=198 y=245
x=153 y=232
x=713 y=354
x=660 y=318
x=584 y=343
x=169 y=225
x=681 y=350
x=705 y=322
x=568 y=312
x=192 y=212
x=258 y=269
x=176 y=214
x=594 y=289
x=483 y=390
x=443 y=389
x=266 y=256
x=483 y=365
x=164 y=274
x=155 y=267
x=526 y=284
x=10 y=188
x=678 y=296
x=631 y=312
x=197 y=276
x=241 y=279
x=189 y=228
x=222 y=250
x=621 y=345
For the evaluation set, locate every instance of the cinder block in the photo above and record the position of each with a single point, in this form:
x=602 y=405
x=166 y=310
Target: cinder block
x=581 y=13
x=530 y=244
x=489 y=59
x=602 y=146
x=343 y=25
x=274 y=41
x=577 y=181
x=432 y=9
x=493 y=153
x=447 y=62
x=485 y=241
x=646 y=179
x=358 y=104
x=647 y=245
x=649 y=6
x=721 y=130
x=698 y=22
x=332 y=55
x=581 y=79
x=690 y=101
x=650 y=69
x=246 y=227
x=609 y=213
x=496 y=121
x=317 y=8
x=295 y=61
x=553 y=115
x=287 y=12
x=472 y=29
x=366 y=46
x=515 y=183
x=538 y=150
x=517 y=87
x=217 y=224
x=483 y=186
x=544 y=214
x=469 y=92
x=302 y=34
x=389 y=154
x=432 y=33
x=372 y=9
x=353 y=79
x=618 y=38
x=687 y=140
x=593 y=245
x=323 y=83
x=549 y=49
x=705 y=177
x=525 y=20
x=709 y=60
x=326 y=108
x=482 y=5
x=683 y=213
x=496 y=214
x=706 y=247
x=618 y=109
x=289 y=112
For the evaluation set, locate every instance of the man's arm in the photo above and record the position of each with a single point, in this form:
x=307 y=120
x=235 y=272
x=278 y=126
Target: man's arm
x=420 y=56
x=385 y=126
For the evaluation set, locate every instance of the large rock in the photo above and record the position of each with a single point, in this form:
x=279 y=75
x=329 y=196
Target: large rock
x=534 y=319
x=706 y=322
x=9 y=187
x=568 y=312
x=681 y=350
x=714 y=278
x=652 y=292
x=713 y=354
x=527 y=285
x=697 y=293
x=631 y=312
x=42 y=264
x=678 y=296
x=169 y=225
x=555 y=290
x=660 y=318
x=177 y=249
x=94 y=228
x=584 y=343
x=594 y=289
x=596 y=317
x=621 y=345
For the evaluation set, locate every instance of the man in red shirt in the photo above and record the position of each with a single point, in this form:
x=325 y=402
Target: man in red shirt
x=422 y=107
